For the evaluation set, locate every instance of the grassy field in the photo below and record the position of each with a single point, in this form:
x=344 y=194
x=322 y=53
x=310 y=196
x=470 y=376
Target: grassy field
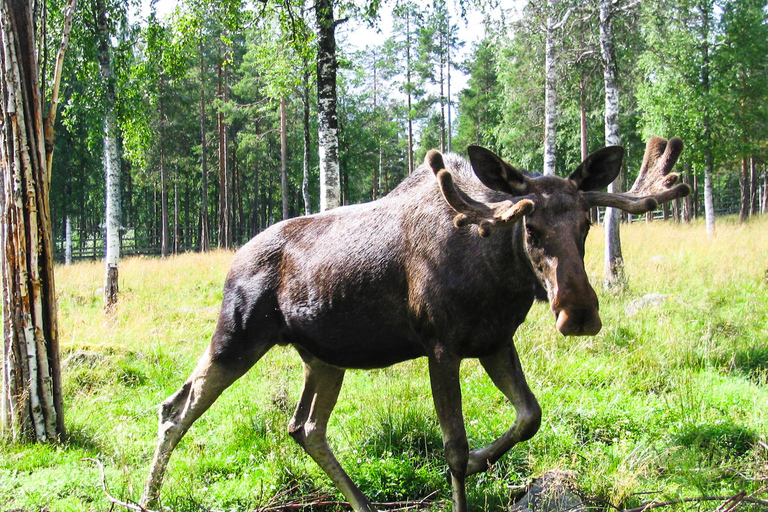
x=666 y=404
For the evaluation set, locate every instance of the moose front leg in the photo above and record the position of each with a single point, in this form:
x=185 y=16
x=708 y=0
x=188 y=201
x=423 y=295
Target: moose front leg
x=506 y=373
x=446 y=392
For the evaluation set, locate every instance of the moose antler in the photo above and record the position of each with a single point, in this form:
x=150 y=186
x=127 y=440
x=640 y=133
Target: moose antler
x=655 y=183
x=489 y=216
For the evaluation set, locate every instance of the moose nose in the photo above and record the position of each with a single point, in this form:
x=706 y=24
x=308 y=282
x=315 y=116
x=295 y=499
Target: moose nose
x=579 y=322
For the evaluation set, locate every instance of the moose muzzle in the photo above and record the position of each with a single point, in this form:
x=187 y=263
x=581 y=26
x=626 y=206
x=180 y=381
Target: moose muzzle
x=579 y=321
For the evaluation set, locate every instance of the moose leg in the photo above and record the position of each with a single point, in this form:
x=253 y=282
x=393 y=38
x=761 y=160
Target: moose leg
x=446 y=393
x=506 y=373
x=177 y=413
x=322 y=383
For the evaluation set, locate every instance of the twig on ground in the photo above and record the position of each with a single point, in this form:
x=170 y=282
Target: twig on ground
x=322 y=500
x=112 y=499
x=730 y=502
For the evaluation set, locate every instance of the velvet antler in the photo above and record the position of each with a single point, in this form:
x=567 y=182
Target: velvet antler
x=487 y=216
x=655 y=183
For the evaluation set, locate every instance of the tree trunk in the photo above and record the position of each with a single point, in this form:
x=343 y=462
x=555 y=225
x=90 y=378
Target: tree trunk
x=307 y=143
x=165 y=238
x=284 y=157
x=225 y=210
x=111 y=161
x=613 y=262
x=449 y=65
x=409 y=87
x=205 y=237
x=68 y=241
x=709 y=203
x=328 y=136
x=441 y=45
x=695 y=194
x=764 y=203
x=31 y=403
x=709 y=164
x=744 y=188
x=550 y=93
x=176 y=234
x=754 y=186
x=687 y=200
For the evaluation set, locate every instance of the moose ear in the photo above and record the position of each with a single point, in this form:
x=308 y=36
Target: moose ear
x=599 y=169
x=495 y=173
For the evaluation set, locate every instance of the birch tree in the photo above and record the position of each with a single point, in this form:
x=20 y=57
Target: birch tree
x=328 y=124
x=111 y=157
x=31 y=406
x=554 y=24
x=613 y=274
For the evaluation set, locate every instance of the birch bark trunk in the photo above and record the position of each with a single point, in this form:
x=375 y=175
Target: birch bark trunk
x=709 y=161
x=31 y=402
x=328 y=125
x=613 y=262
x=550 y=93
x=111 y=162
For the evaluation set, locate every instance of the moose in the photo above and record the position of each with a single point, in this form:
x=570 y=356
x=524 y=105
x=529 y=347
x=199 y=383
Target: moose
x=445 y=267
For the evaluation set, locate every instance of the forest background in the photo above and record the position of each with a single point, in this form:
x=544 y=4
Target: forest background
x=199 y=92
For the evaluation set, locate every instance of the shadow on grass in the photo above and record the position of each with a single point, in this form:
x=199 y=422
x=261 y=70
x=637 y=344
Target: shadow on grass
x=724 y=438
x=752 y=362
x=79 y=438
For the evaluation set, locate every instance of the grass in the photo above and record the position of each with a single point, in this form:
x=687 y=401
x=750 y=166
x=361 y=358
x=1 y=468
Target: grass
x=672 y=401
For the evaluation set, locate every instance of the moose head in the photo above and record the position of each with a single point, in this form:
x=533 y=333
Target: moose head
x=553 y=212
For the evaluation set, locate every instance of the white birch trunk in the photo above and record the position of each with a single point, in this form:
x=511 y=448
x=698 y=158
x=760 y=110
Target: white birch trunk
x=613 y=260
x=328 y=136
x=31 y=385
x=112 y=210
x=111 y=163
x=68 y=241
x=709 y=203
x=550 y=93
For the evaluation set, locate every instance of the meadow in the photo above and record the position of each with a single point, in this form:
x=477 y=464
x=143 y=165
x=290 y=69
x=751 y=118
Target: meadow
x=667 y=404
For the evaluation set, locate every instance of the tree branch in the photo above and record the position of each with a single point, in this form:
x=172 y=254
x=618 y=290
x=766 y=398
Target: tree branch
x=112 y=499
x=49 y=122
x=729 y=502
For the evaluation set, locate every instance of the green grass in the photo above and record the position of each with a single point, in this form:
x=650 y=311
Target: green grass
x=672 y=401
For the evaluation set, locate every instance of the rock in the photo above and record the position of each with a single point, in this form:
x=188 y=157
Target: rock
x=554 y=491
x=652 y=300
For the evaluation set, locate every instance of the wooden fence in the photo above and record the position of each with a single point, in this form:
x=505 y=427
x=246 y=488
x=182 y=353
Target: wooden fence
x=135 y=241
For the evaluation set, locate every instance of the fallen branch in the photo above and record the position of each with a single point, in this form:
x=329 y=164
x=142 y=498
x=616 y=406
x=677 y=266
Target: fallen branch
x=325 y=501
x=112 y=499
x=728 y=505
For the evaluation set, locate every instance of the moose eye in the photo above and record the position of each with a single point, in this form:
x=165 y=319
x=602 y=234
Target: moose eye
x=533 y=237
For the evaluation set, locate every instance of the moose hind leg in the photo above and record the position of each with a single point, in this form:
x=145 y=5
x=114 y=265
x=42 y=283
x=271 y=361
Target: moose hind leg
x=180 y=410
x=507 y=374
x=322 y=383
